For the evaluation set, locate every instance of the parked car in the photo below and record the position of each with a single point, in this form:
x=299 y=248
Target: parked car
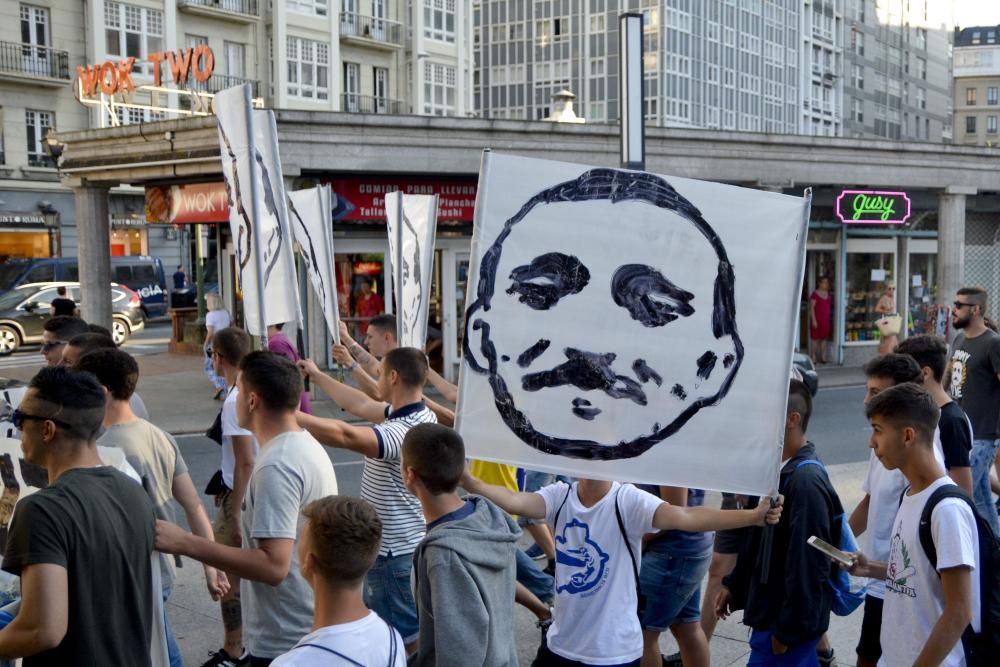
x=24 y=310
x=803 y=369
x=144 y=275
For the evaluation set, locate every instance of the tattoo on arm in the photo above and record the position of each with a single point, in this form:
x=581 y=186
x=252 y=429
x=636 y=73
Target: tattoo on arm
x=232 y=614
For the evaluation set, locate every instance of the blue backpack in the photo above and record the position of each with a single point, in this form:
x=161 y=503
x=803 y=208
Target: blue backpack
x=847 y=596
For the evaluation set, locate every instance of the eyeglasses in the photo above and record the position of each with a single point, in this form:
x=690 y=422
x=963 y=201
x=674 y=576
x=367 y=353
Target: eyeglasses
x=18 y=418
x=959 y=305
x=48 y=347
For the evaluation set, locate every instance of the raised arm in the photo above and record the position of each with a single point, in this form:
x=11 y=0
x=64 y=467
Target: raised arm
x=366 y=382
x=367 y=361
x=348 y=398
x=530 y=505
x=445 y=416
x=448 y=391
x=340 y=434
x=702 y=519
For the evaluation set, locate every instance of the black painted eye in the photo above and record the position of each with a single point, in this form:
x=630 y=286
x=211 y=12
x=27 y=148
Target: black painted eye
x=648 y=296
x=547 y=279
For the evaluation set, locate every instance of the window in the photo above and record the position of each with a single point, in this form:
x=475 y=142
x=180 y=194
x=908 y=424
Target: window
x=922 y=68
x=922 y=39
x=35 y=39
x=132 y=31
x=597 y=24
x=381 y=90
x=308 y=69
x=352 y=87
x=991 y=95
x=37 y=124
x=439 y=89
x=859 y=77
x=235 y=56
x=3 y=156
x=43 y=273
x=439 y=20
x=859 y=46
x=597 y=66
x=193 y=41
x=921 y=98
x=315 y=7
x=970 y=96
x=991 y=125
x=349 y=18
x=970 y=124
x=858 y=113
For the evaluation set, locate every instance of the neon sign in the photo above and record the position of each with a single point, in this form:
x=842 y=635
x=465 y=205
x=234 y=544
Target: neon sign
x=873 y=207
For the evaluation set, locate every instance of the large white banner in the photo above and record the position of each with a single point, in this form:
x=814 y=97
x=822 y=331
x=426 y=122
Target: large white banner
x=312 y=227
x=412 y=223
x=629 y=326
x=258 y=216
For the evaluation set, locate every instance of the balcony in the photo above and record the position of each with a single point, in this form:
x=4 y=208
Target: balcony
x=39 y=65
x=371 y=31
x=354 y=103
x=219 y=82
x=244 y=11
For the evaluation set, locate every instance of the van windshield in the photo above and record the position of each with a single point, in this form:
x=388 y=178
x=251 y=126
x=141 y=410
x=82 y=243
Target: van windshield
x=9 y=272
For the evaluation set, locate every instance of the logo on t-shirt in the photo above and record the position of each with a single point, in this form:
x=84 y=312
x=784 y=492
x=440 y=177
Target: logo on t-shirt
x=900 y=568
x=959 y=371
x=583 y=558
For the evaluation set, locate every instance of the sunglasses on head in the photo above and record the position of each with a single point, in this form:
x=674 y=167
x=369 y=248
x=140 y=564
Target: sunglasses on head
x=18 y=418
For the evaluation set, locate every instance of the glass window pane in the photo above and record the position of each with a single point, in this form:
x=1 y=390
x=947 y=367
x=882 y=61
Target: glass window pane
x=132 y=48
x=111 y=38
x=868 y=277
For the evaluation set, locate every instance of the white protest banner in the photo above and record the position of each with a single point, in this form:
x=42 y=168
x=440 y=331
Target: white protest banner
x=627 y=326
x=312 y=229
x=257 y=211
x=412 y=223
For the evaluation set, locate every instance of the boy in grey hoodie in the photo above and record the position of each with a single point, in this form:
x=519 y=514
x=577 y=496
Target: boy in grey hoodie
x=464 y=569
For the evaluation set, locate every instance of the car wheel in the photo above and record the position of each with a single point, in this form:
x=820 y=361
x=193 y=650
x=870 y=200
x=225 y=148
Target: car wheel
x=119 y=331
x=10 y=340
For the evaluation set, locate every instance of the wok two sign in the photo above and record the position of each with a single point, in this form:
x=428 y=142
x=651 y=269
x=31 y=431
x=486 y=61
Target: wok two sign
x=873 y=207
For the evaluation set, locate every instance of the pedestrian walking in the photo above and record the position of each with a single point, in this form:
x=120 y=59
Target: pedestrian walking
x=216 y=320
x=63 y=305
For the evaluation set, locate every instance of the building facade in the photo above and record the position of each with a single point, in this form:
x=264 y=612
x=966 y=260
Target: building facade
x=977 y=79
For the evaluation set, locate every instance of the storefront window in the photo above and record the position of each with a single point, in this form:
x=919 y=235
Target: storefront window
x=868 y=277
x=923 y=297
x=128 y=242
x=361 y=290
x=24 y=244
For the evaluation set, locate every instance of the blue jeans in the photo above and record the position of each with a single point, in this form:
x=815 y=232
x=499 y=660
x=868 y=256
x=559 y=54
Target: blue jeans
x=531 y=577
x=981 y=459
x=387 y=592
x=672 y=587
x=761 y=654
x=173 y=651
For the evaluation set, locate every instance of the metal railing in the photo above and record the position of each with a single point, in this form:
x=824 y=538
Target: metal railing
x=354 y=103
x=40 y=160
x=219 y=82
x=33 y=60
x=239 y=6
x=371 y=27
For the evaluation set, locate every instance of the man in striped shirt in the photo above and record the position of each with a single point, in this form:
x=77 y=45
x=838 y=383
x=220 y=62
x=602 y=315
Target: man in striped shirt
x=403 y=372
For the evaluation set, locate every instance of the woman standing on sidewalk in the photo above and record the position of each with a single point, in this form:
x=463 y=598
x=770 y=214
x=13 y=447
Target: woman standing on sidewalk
x=820 y=320
x=216 y=319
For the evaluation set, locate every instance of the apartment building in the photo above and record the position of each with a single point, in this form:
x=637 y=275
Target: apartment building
x=897 y=69
x=977 y=79
x=821 y=85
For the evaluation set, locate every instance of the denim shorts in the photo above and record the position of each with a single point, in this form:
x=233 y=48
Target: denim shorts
x=387 y=592
x=672 y=587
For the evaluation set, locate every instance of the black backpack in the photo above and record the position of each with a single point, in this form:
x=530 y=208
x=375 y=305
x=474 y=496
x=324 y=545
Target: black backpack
x=979 y=647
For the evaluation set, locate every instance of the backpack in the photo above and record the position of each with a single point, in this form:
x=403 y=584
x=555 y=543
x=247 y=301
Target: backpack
x=846 y=595
x=980 y=646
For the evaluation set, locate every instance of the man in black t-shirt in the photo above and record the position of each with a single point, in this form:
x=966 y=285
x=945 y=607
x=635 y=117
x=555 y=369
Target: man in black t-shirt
x=954 y=426
x=975 y=385
x=61 y=305
x=82 y=546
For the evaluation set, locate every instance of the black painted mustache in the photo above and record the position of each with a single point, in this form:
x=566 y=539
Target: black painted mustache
x=587 y=371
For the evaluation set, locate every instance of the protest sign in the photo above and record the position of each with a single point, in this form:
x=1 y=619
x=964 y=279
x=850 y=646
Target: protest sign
x=312 y=220
x=412 y=222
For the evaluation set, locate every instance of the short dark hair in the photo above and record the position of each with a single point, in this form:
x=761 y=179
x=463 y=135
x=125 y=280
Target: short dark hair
x=115 y=369
x=345 y=536
x=98 y=329
x=384 y=322
x=79 y=395
x=274 y=378
x=279 y=326
x=88 y=342
x=436 y=454
x=65 y=326
x=61 y=290
x=907 y=404
x=800 y=401
x=899 y=368
x=232 y=344
x=409 y=363
x=927 y=350
x=978 y=296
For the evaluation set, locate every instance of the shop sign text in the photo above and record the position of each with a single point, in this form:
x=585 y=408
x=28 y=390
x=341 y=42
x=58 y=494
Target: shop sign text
x=116 y=77
x=873 y=207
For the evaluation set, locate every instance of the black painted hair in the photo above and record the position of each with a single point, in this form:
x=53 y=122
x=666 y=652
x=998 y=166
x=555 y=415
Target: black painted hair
x=436 y=454
x=907 y=405
x=79 y=396
x=410 y=364
x=232 y=344
x=899 y=368
x=384 y=322
x=274 y=378
x=88 y=342
x=929 y=351
x=65 y=326
x=115 y=369
x=800 y=401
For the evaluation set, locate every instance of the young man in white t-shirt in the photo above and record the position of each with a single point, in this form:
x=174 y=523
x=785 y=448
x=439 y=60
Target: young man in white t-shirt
x=338 y=545
x=929 y=610
x=595 y=616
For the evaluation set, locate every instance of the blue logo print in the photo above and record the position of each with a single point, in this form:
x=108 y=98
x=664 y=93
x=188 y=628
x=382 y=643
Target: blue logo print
x=581 y=556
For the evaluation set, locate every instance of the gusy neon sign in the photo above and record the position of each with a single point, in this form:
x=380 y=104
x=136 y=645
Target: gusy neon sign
x=873 y=207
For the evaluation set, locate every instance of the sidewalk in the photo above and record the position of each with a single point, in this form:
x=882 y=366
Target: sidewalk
x=833 y=377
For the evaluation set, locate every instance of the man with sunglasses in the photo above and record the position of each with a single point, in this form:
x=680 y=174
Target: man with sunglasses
x=974 y=382
x=90 y=519
x=56 y=333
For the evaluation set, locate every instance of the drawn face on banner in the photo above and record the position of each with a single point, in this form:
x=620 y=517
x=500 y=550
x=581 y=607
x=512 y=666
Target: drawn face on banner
x=601 y=343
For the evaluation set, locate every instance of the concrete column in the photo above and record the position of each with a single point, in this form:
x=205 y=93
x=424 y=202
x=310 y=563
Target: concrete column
x=951 y=241
x=903 y=285
x=94 y=254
